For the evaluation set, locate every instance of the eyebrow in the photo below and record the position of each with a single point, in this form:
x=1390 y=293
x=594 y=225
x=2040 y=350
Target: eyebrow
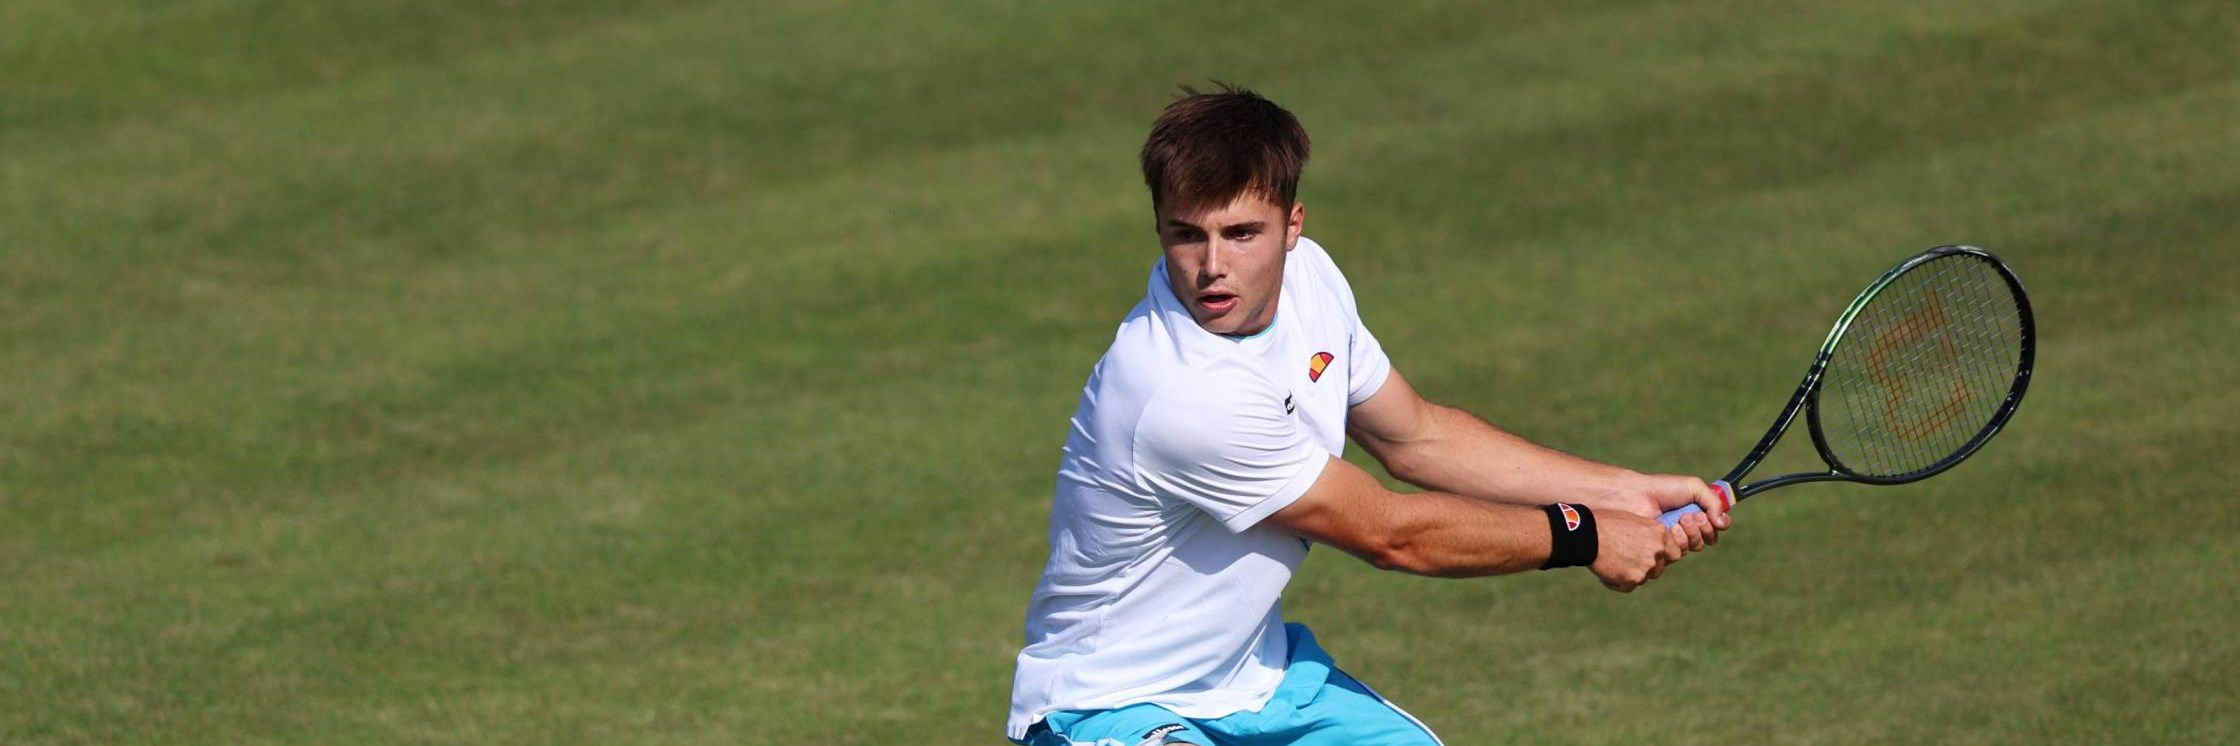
x=1258 y=225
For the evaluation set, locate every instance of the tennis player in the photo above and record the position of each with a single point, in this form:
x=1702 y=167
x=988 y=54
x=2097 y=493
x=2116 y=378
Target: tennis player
x=1203 y=463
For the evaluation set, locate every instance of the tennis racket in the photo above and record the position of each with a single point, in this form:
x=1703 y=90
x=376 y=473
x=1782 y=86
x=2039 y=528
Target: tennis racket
x=1923 y=368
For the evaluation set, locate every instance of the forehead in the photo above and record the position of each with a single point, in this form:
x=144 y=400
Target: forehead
x=1245 y=207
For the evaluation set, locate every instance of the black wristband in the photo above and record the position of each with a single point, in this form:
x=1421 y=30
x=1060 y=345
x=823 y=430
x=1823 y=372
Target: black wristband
x=1571 y=529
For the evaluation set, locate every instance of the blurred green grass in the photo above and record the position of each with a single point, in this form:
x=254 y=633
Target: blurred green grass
x=681 y=372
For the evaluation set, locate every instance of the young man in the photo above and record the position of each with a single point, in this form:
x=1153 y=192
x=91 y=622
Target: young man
x=1203 y=462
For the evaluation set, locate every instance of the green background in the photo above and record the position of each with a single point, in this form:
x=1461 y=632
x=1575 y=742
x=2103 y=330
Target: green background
x=421 y=371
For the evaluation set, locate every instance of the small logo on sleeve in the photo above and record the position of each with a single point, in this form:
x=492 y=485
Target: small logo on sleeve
x=1316 y=364
x=1287 y=406
x=1570 y=517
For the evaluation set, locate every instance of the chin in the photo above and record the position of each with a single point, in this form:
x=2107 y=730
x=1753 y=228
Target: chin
x=1230 y=325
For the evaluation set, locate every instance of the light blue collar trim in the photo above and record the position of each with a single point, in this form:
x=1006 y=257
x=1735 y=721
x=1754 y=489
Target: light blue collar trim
x=1262 y=333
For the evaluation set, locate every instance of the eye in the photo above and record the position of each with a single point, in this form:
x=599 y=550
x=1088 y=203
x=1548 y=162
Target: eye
x=1242 y=234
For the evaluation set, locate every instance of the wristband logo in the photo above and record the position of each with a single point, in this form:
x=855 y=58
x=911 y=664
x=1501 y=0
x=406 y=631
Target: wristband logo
x=1316 y=364
x=1570 y=517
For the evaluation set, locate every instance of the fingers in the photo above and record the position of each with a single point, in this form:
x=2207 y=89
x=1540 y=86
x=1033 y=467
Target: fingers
x=1675 y=546
x=1716 y=502
x=1638 y=550
x=1696 y=532
x=1703 y=530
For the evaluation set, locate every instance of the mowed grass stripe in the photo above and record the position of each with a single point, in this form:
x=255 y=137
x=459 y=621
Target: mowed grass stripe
x=84 y=68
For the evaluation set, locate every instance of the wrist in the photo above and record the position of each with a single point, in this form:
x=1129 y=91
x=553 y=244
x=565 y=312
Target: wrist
x=1573 y=540
x=1619 y=489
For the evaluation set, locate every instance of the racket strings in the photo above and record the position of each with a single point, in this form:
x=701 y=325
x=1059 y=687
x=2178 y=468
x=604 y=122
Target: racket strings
x=1922 y=368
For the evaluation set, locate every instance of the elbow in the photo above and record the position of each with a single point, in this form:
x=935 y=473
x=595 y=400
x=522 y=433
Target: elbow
x=1388 y=559
x=1402 y=466
x=1400 y=555
x=1428 y=557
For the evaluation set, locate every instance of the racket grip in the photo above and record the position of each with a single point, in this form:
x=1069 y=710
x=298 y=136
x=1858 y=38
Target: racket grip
x=1672 y=517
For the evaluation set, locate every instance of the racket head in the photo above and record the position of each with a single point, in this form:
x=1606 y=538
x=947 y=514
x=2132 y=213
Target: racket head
x=1921 y=370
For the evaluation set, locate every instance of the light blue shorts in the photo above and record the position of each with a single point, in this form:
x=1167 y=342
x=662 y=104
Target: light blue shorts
x=1316 y=705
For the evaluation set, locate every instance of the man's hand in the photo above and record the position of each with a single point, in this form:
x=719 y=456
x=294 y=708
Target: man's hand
x=1651 y=495
x=1633 y=550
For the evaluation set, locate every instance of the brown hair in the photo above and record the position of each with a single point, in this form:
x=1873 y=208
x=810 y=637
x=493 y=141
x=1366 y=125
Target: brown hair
x=1208 y=148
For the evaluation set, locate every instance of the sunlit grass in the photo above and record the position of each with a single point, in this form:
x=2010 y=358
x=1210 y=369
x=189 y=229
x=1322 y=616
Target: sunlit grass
x=557 y=372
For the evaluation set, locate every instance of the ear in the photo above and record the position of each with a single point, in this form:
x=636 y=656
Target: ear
x=1293 y=225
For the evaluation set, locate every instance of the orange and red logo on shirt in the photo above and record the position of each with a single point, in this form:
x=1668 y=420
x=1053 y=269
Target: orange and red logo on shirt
x=1315 y=365
x=1570 y=517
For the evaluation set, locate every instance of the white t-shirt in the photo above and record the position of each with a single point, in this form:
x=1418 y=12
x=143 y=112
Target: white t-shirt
x=1161 y=586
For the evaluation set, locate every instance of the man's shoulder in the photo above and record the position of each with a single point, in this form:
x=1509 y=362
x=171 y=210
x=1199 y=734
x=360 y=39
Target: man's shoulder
x=1319 y=267
x=1151 y=365
x=1313 y=257
x=1155 y=344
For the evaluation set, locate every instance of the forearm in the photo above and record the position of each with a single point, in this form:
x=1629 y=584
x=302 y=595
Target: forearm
x=1427 y=533
x=1452 y=536
x=1447 y=535
x=1461 y=454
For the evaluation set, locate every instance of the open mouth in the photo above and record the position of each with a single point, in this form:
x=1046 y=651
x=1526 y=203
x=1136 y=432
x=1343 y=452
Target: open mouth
x=1217 y=302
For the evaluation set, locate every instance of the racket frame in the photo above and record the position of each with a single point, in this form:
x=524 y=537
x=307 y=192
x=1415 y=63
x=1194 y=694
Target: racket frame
x=1807 y=397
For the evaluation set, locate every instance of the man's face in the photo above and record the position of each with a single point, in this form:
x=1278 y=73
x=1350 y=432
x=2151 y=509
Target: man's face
x=1226 y=263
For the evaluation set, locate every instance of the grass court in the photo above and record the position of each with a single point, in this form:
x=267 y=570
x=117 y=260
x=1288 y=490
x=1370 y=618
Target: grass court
x=683 y=372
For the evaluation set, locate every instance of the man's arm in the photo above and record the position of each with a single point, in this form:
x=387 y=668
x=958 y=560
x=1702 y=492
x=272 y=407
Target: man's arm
x=1446 y=535
x=1445 y=449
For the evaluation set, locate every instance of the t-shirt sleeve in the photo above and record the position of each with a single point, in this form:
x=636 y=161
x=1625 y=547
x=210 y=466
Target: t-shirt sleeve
x=1367 y=367
x=1223 y=442
x=1366 y=364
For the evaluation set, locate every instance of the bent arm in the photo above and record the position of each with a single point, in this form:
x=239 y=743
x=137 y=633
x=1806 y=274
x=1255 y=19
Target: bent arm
x=1441 y=448
x=1438 y=447
x=1450 y=536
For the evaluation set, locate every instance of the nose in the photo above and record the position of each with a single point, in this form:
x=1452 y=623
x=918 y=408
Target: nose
x=1215 y=268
